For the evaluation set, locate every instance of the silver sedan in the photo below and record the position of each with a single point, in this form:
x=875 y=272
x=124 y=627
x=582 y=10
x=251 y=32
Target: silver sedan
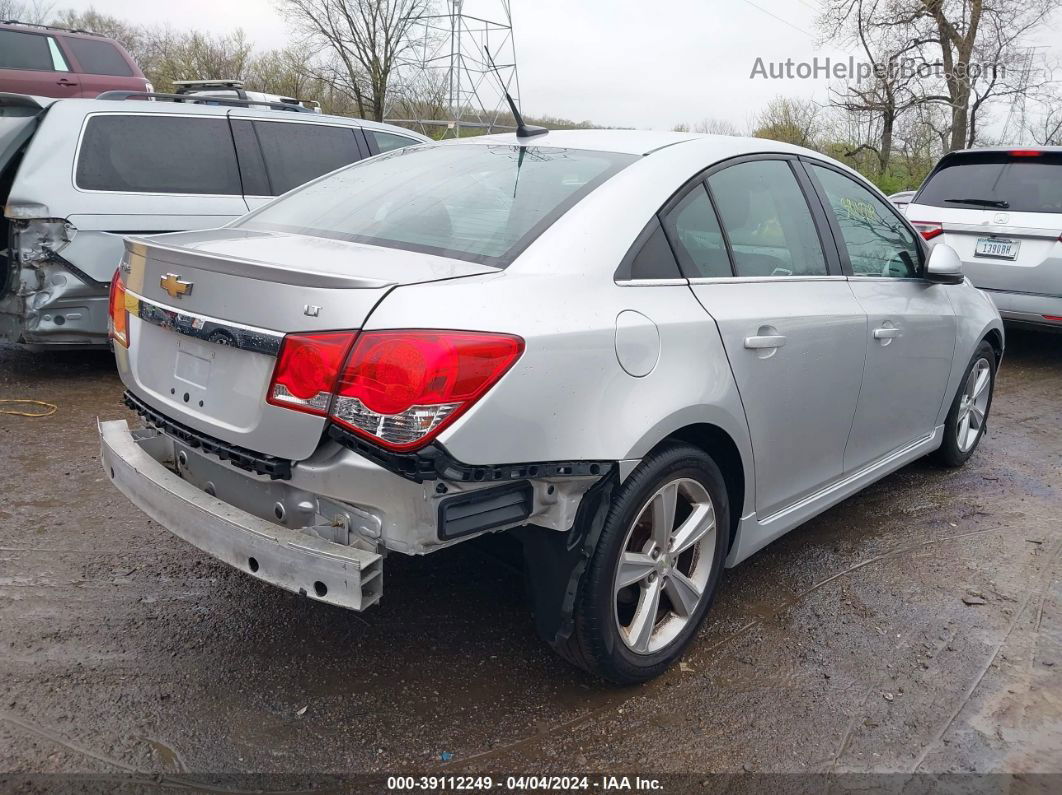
x=644 y=355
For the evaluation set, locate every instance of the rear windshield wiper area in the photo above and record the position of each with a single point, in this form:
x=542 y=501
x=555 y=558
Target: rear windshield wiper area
x=1002 y=205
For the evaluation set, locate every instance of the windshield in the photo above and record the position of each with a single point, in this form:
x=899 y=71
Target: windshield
x=475 y=202
x=1027 y=183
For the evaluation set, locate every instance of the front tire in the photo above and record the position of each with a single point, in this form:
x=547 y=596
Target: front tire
x=655 y=570
x=966 y=422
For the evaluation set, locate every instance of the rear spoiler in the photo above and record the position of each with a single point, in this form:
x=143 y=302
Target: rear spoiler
x=139 y=249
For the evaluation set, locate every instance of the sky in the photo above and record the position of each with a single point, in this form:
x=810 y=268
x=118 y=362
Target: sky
x=626 y=63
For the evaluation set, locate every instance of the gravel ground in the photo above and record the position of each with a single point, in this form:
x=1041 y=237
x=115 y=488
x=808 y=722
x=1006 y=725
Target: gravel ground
x=915 y=627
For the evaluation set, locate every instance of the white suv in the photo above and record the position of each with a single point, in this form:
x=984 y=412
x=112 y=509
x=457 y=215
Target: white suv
x=1001 y=210
x=78 y=174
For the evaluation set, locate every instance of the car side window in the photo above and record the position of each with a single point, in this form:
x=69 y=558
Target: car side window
x=878 y=243
x=297 y=152
x=694 y=232
x=25 y=51
x=767 y=220
x=132 y=153
x=388 y=141
x=650 y=257
x=98 y=57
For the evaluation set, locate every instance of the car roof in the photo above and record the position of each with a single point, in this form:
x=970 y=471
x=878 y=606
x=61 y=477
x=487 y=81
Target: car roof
x=135 y=106
x=1004 y=149
x=52 y=30
x=644 y=142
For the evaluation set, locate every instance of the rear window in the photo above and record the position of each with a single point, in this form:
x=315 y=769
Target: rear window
x=99 y=57
x=476 y=202
x=389 y=141
x=158 y=154
x=996 y=181
x=296 y=153
x=24 y=51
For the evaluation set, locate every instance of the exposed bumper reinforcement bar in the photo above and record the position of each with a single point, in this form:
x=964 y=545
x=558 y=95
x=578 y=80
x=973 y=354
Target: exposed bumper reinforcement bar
x=341 y=575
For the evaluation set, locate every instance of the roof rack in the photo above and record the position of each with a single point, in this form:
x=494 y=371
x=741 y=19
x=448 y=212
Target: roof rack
x=49 y=27
x=187 y=86
x=203 y=99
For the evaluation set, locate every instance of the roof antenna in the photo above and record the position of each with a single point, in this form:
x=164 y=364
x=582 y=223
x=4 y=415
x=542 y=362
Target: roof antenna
x=523 y=131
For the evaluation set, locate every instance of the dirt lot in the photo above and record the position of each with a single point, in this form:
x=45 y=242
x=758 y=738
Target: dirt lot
x=916 y=627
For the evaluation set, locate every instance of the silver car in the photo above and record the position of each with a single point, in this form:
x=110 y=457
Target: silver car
x=646 y=355
x=1001 y=210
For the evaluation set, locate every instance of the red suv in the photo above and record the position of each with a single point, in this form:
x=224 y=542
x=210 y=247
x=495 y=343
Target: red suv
x=56 y=62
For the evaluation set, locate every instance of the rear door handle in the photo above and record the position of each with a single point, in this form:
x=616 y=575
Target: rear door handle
x=887 y=333
x=766 y=341
x=64 y=82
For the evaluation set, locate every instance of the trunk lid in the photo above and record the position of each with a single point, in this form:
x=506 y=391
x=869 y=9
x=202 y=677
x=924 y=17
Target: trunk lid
x=215 y=305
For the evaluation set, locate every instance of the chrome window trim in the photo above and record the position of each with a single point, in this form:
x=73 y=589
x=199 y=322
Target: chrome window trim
x=652 y=282
x=202 y=327
x=889 y=279
x=765 y=279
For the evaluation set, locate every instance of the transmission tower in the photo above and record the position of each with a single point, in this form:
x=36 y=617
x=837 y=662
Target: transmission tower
x=445 y=79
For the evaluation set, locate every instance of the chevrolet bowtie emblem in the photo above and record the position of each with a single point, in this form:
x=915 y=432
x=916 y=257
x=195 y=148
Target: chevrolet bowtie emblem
x=175 y=286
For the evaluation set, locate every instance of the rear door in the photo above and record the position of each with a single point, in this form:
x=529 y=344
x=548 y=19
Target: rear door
x=793 y=331
x=911 y=334
x=32 y=63
x=279 y=155
x=1002 y=212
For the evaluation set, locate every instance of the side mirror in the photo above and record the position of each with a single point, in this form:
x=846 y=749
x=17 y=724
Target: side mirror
x=944 y=266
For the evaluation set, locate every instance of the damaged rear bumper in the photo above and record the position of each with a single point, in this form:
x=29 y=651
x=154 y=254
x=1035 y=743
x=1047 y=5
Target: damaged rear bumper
x=346 y=576
x=51 y=306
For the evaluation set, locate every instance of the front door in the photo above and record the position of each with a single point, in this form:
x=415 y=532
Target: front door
x=793 y=331
x=32 y=63
x=911 y=323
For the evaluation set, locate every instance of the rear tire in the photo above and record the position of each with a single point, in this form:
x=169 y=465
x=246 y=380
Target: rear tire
x=968 y=418
x=655 y=570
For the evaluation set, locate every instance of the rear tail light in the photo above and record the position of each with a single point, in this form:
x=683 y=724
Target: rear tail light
x=118 y=324
x=305 y=375
x=1053 y=318
x=929 y=229
x=401 y=388
x=397 y=388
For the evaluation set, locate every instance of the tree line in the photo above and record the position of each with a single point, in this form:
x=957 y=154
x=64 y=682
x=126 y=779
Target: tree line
x=942 y=74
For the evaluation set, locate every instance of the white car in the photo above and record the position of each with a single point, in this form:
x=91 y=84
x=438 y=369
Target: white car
x=647 y=355
x=1001 y=210
x=902 y=199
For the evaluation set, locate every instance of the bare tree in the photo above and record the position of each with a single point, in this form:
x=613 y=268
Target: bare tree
x=35 y=12
x=1046 y=129
x=978 y=45
x=366 y=39
x=890 y=91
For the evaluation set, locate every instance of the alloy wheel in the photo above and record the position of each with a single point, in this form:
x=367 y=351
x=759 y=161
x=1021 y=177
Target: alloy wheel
x=973 y=405
x=664 y=565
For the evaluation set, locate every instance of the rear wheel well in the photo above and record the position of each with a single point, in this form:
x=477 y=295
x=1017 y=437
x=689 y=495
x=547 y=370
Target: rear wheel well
x=718 y=444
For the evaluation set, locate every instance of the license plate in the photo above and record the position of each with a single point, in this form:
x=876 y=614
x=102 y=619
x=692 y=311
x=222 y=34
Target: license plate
x=996 y=248
x=193 y=363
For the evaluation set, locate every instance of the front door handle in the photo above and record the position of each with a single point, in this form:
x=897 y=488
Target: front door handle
x=765 y=341
x=887 y=333
x=64 y=82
